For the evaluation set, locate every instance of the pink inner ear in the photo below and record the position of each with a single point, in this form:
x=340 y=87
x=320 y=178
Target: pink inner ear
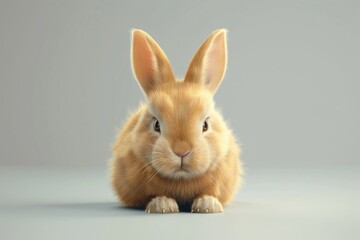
x=150 y=64
x=215 y=62
x=143 y=60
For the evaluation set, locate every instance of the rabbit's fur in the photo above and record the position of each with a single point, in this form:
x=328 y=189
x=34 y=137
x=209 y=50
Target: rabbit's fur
x=176 y=148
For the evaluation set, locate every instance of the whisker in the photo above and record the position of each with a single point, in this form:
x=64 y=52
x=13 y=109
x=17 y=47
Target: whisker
x=152 y=177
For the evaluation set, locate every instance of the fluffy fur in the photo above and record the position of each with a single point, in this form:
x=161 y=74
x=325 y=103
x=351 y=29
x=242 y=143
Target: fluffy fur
x=182 y=163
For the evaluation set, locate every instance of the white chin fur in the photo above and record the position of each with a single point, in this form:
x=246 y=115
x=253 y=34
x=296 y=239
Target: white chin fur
x=179 y=174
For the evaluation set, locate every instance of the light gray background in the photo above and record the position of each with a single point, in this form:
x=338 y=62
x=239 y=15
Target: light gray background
x=291 y=92
x=291 y=95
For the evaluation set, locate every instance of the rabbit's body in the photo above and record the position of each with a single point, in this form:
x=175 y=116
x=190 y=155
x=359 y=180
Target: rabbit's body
x=176 y=148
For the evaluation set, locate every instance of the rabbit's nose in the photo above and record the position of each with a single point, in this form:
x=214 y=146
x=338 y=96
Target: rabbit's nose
x=181 y=148
x=182 y=153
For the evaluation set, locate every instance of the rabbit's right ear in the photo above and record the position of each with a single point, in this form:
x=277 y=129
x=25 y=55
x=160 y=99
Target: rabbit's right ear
x=150 y=64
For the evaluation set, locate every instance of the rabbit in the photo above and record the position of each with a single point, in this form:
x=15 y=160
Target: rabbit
x=176 y=148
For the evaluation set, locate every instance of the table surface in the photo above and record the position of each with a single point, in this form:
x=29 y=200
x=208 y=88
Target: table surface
x=77 y=203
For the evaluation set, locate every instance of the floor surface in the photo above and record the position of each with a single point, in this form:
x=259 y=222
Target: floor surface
x=63 y=203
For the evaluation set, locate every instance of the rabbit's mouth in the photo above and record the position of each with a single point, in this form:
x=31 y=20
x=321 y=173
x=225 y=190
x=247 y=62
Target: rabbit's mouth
x=182 y=170
x=179 y=167
x=181 y=173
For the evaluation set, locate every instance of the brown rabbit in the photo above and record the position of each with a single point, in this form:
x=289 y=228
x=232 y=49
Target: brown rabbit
x=176 y=148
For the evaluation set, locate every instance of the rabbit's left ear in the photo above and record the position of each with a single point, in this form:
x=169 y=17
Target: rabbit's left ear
x=208 y=65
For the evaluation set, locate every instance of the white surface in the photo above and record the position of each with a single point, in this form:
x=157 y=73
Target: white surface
x=62 y=203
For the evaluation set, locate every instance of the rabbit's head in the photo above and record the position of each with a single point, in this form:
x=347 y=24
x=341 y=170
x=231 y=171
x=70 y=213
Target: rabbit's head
x=180 y=133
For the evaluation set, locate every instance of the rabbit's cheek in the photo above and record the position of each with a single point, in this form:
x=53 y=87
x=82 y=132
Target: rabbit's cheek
x=200 y=158
x=164 y=163
x=144 y=143
x=197 y=164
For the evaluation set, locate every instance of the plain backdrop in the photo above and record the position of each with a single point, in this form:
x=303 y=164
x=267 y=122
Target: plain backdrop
x=291 y=92
x=291 y=96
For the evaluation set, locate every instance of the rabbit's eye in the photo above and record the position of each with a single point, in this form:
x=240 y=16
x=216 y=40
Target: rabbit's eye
x=205 y=126
x=156 y=125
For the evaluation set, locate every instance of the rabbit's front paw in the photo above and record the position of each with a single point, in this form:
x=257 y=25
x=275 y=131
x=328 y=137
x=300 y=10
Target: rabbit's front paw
x=206 y=204
x=162 y=205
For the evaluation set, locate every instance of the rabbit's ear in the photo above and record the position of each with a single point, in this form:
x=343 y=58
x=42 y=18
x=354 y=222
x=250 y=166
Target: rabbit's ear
x=209 y=62
x=150 y=64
